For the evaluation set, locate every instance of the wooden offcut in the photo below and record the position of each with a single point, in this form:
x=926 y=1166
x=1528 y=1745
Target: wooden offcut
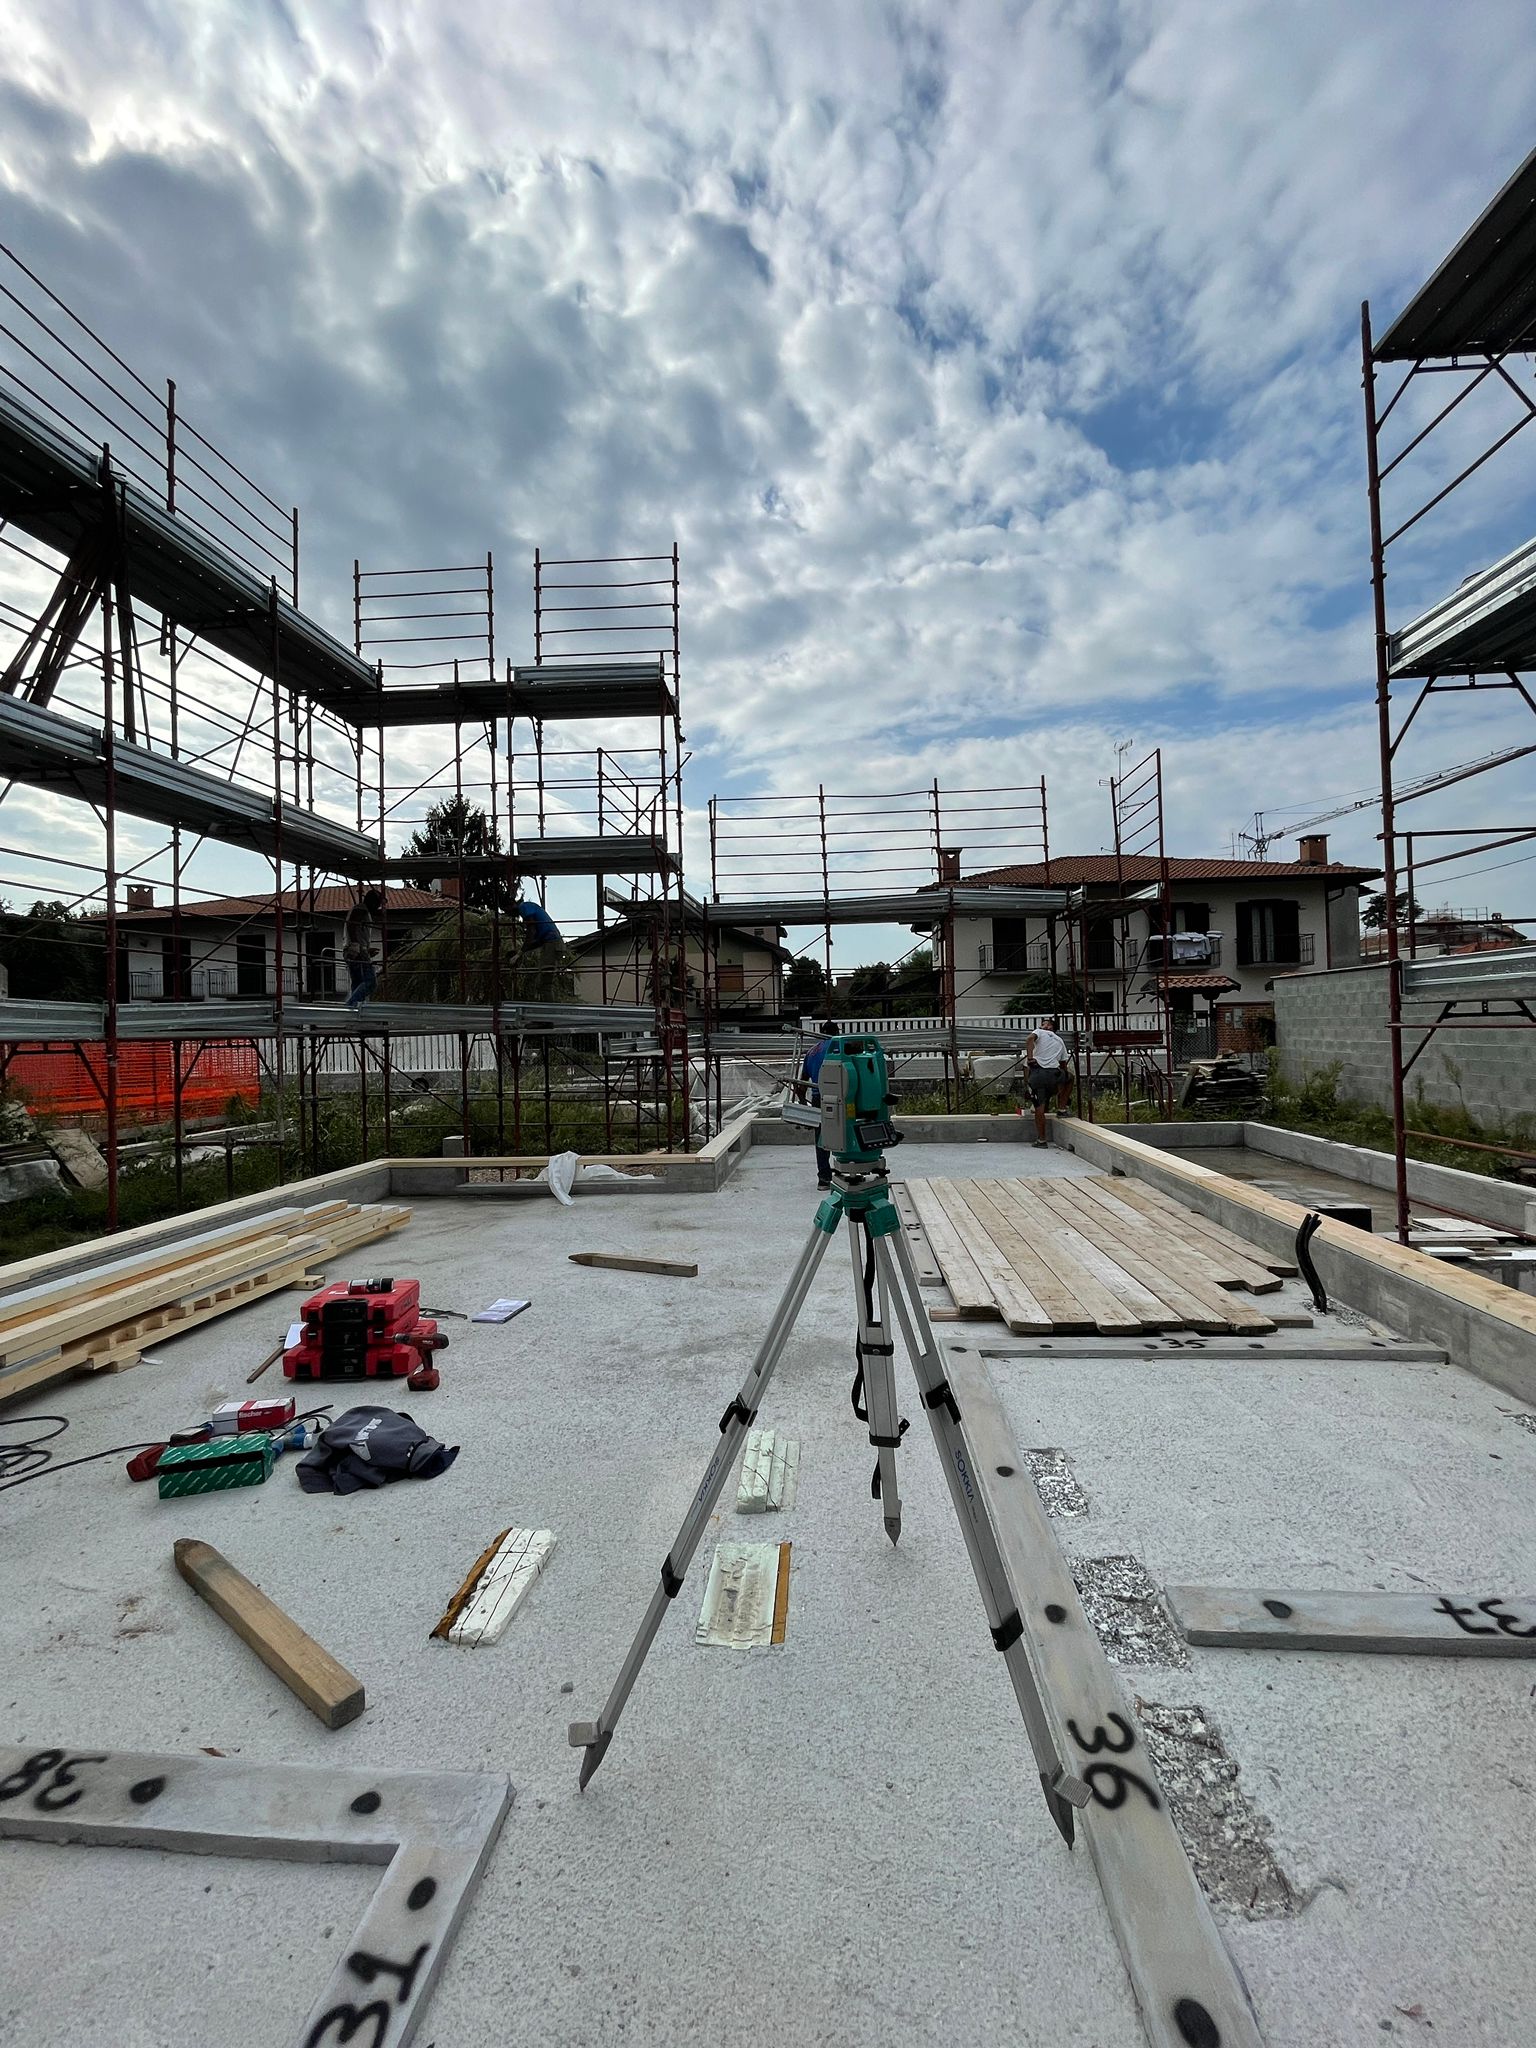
x=309 y=1671
x=1077 y=1255
x=622 y=1262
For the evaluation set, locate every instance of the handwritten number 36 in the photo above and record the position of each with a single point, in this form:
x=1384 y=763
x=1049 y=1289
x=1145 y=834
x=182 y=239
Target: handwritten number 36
x=1111 y=1783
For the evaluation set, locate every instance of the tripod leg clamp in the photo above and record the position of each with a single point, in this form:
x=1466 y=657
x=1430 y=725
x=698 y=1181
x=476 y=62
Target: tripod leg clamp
x=1008 y=1631
x=671 y=1581
x=738 y=1412
x=942 y=1396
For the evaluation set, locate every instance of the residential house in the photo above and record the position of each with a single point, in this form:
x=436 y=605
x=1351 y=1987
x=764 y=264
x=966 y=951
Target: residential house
x=745 y=978
x=1235 y=924
x=228 y=943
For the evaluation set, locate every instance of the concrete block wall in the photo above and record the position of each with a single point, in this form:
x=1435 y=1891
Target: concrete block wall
x=1340 y=1015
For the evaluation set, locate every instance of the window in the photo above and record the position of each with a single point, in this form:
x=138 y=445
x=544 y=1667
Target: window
x=1099 y=946
x=251 y=964
x=1100 y=1002
x=1268 y=933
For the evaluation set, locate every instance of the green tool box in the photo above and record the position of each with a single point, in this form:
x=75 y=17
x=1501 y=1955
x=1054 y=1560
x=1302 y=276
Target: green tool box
x=222 y=1462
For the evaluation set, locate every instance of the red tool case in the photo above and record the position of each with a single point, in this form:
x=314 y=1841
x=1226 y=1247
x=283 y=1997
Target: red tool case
x=362 y=1329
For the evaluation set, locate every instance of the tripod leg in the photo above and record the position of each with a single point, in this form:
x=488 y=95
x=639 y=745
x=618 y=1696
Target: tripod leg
x=1063 y=1791
x=595 y=1736
x=877 y=1371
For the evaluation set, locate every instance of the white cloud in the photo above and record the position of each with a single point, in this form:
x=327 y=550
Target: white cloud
x=995 y=365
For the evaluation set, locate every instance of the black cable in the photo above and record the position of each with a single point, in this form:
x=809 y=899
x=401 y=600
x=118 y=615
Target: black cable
x=34 y=1458
x=1311 y=1225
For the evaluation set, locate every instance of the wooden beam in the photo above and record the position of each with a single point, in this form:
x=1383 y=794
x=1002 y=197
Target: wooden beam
x=310 y=1672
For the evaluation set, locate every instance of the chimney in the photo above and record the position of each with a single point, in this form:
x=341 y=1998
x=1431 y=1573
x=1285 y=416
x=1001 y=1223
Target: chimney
x=448 y=886
x=1314 y=850
x=140 y=896
x=949 y=863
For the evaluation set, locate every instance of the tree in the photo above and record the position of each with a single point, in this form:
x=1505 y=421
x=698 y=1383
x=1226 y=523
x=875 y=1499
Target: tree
x=455 y=828
x=1374 y=915
x=805 y=988
x=51 y=951
x=1037 y=992
x=427 y=971
x=869 y=989
x=915 y=990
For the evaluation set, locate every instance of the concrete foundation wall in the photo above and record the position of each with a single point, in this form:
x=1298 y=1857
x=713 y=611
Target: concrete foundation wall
x=1342 y=1016
x=1500 y=1202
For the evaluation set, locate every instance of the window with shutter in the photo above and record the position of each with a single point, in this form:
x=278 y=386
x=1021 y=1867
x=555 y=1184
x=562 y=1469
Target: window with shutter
x=1245 y=934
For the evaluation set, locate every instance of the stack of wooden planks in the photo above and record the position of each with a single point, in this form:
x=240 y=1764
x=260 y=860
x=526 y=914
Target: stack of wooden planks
x=1090 y=1254
x=99 y=1320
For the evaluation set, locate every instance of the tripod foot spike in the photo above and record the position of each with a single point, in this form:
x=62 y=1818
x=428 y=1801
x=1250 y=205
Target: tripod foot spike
x=893 y=1527
x=592 y=1754
x=1055 y=1806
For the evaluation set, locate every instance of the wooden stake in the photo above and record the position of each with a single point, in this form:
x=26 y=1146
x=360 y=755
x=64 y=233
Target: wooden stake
x=327 y=1688
x=680 y=1269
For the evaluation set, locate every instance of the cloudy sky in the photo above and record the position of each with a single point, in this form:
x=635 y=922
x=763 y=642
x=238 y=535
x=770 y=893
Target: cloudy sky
x=995 y=366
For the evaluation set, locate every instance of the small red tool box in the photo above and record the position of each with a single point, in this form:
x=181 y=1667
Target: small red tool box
x=362 y=1329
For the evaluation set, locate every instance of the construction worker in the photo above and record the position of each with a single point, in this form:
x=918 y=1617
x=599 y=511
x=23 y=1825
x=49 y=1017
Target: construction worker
x=810 y=1070
x=357 y=947
x=1049 y=1074
x=542 y=947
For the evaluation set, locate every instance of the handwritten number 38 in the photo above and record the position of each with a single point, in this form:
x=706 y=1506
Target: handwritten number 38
x=60 y=1790
x=1111 y=1783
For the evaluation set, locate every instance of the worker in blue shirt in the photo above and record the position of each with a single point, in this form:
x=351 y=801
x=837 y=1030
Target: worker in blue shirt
x=810 y=1069
x=542 y=949
x=538 y=926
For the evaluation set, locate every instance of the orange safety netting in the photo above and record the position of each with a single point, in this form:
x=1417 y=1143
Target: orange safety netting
x=74 y=1083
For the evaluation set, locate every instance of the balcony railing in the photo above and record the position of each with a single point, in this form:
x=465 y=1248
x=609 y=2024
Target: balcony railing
x=1194 y=959
x=1035 y=958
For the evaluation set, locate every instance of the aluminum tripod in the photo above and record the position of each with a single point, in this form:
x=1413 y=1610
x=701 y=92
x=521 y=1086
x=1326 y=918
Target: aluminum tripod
x=885 y=1280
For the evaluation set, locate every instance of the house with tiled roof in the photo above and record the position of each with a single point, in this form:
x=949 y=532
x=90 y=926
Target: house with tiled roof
x=1234 y=926
x=226 y=946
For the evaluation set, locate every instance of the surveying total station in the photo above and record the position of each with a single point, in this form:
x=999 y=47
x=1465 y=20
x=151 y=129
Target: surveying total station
x=855 y=1126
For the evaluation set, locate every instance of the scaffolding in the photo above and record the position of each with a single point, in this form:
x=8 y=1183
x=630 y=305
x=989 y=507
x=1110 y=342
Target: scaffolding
x=1465 y=324
x=825 y=859
x=158 y=669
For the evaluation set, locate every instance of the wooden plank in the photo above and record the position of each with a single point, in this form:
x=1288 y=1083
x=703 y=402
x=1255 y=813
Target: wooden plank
x=309 y=1671
x=26 y=1303
x=1395 y=1624
x=962 y=1275
x=111 y=1350
x=1469 y=1290
x=63 y=1325
x=1011 y=1286
x=1237 y=1265
x=1219 y=1266
x=1046 y=1222
x=929 y=1271
x=1202 y=1302
x=1096 y=1308
x=621 y=1262
x=1257 y=1274
x=1185 y=1982
x=1193 y=1309
x=781 y=1596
